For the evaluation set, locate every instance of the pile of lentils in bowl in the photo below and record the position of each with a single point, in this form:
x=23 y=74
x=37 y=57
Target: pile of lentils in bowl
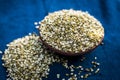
x=71 y=31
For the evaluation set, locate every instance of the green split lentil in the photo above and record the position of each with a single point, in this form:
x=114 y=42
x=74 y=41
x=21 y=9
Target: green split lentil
x=0 y=52
x=71 y=31
x=58 y=75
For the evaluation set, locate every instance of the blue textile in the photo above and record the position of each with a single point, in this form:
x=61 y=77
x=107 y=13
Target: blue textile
x=17 y=19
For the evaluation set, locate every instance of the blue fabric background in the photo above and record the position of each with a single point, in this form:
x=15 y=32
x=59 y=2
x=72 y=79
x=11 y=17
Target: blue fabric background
x=17 y=19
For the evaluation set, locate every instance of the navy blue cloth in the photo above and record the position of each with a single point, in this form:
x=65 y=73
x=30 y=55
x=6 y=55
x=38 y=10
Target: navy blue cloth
x=17 y=19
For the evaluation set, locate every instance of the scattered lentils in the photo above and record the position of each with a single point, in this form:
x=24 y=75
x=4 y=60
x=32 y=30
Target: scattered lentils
x=26 y=59
x=83 y=72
